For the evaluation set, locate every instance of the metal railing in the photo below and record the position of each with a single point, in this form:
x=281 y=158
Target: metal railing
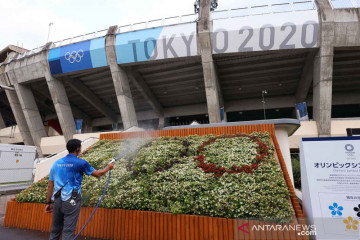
x=158 y=23
x=125 y=28
x=339 y=4
x=262 y=7
x=258 y=7
x=80 y=38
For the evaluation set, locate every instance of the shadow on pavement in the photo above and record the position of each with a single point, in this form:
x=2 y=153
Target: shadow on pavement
x=15 y=233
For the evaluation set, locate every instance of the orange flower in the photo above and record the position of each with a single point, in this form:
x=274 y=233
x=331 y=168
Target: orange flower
x=351 y=223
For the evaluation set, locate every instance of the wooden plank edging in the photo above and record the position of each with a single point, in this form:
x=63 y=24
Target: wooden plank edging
x=133 y=224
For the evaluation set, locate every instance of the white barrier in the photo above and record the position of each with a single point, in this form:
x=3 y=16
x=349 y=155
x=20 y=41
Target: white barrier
x=43 y=165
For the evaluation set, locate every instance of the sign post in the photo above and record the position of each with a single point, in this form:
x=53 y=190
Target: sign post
x=330 y=177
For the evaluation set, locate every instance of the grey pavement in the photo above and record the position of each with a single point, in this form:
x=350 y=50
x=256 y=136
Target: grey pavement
x=13 y=188
x=16 y=233
x=3 y=200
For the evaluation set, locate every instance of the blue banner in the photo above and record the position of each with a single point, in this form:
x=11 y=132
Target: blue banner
x=136 y=46
x=302 y=112
x=78 y=125
x=222 y=114
x=78 y=56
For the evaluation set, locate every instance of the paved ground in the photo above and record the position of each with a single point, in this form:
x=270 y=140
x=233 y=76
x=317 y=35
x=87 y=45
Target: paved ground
x=3 y=200
x=15 y=233
x=13 y=188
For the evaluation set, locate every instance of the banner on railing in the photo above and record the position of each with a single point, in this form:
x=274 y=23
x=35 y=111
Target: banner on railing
x=276 y=31
x=78 y=56
x=157 y=43
x=301 y=111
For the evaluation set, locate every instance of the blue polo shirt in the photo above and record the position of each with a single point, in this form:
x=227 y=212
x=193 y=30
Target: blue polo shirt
x=67 y=172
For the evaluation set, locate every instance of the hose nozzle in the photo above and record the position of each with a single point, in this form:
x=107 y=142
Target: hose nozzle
x=113 y=160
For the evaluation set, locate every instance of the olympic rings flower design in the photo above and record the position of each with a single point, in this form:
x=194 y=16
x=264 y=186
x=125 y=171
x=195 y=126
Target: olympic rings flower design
x=74 y=56
x=336 y=209
x=263 y=154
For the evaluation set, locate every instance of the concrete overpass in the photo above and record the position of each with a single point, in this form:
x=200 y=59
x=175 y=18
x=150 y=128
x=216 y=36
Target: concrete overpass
x=191 y=65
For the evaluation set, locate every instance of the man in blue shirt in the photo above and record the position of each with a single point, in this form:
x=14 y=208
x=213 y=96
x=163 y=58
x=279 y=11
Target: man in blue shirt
x=66 y=176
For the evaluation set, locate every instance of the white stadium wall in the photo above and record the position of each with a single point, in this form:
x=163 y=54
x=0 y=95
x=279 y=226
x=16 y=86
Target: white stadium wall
x=288 y=30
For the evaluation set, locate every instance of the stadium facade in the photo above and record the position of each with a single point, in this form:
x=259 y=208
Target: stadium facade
x=177 y=70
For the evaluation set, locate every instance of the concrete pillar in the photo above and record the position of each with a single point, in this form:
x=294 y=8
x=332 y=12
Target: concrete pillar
x=323 y=70
x=62 y=105
x=121 y=83
x=31 y=113
x=2 y=122
x=322 y=90
x=161 y=122
x=212 y=88
x=16 y=109
x=19 y=117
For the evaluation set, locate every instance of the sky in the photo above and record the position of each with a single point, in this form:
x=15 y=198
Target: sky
x=26 y=22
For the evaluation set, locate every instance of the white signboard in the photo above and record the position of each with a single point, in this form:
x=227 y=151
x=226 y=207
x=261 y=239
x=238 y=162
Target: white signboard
x=16 y=163
x=330 y=180
x=288 y=30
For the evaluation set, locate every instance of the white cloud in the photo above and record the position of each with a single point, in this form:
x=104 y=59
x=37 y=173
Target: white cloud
x=26 y=22
x=28 y=25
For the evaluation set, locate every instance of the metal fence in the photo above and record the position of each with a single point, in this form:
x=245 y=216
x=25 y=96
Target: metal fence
x=244 y=8
x=339 y=4
x=158 y=23
x=252 y=8
x=261 y=7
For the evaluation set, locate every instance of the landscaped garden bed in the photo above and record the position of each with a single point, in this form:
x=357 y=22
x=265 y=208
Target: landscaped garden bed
x=179 y=184
x=231 y=176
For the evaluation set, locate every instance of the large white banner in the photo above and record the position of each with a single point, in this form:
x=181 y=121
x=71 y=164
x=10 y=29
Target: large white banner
x=157 y=43
x=330 y=180
x=288 y=30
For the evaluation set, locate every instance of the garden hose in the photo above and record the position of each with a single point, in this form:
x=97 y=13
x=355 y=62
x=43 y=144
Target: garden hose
x=102 y=196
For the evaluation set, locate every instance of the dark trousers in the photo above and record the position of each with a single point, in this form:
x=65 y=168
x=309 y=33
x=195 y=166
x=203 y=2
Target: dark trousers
x=65 y=218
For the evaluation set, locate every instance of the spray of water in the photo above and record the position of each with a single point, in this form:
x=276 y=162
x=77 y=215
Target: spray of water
x=129 y=149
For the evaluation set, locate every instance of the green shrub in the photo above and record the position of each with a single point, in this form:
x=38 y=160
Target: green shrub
x=163 y=176
x=296 y=172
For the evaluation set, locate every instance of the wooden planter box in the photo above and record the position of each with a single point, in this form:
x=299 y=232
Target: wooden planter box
x=131 y=224
x=139 y=225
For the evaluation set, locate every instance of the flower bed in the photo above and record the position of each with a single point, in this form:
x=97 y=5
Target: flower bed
x=228 y=163
x=165 y=176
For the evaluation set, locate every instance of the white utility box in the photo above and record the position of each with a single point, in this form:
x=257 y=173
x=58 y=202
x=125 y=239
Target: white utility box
x=16 y=163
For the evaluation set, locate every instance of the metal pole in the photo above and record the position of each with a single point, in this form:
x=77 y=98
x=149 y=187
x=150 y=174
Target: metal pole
x=264 y=92
x=50 y=24
x=7 y=88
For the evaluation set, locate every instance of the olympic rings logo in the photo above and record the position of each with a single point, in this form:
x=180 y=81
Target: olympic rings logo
x=74 y=56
